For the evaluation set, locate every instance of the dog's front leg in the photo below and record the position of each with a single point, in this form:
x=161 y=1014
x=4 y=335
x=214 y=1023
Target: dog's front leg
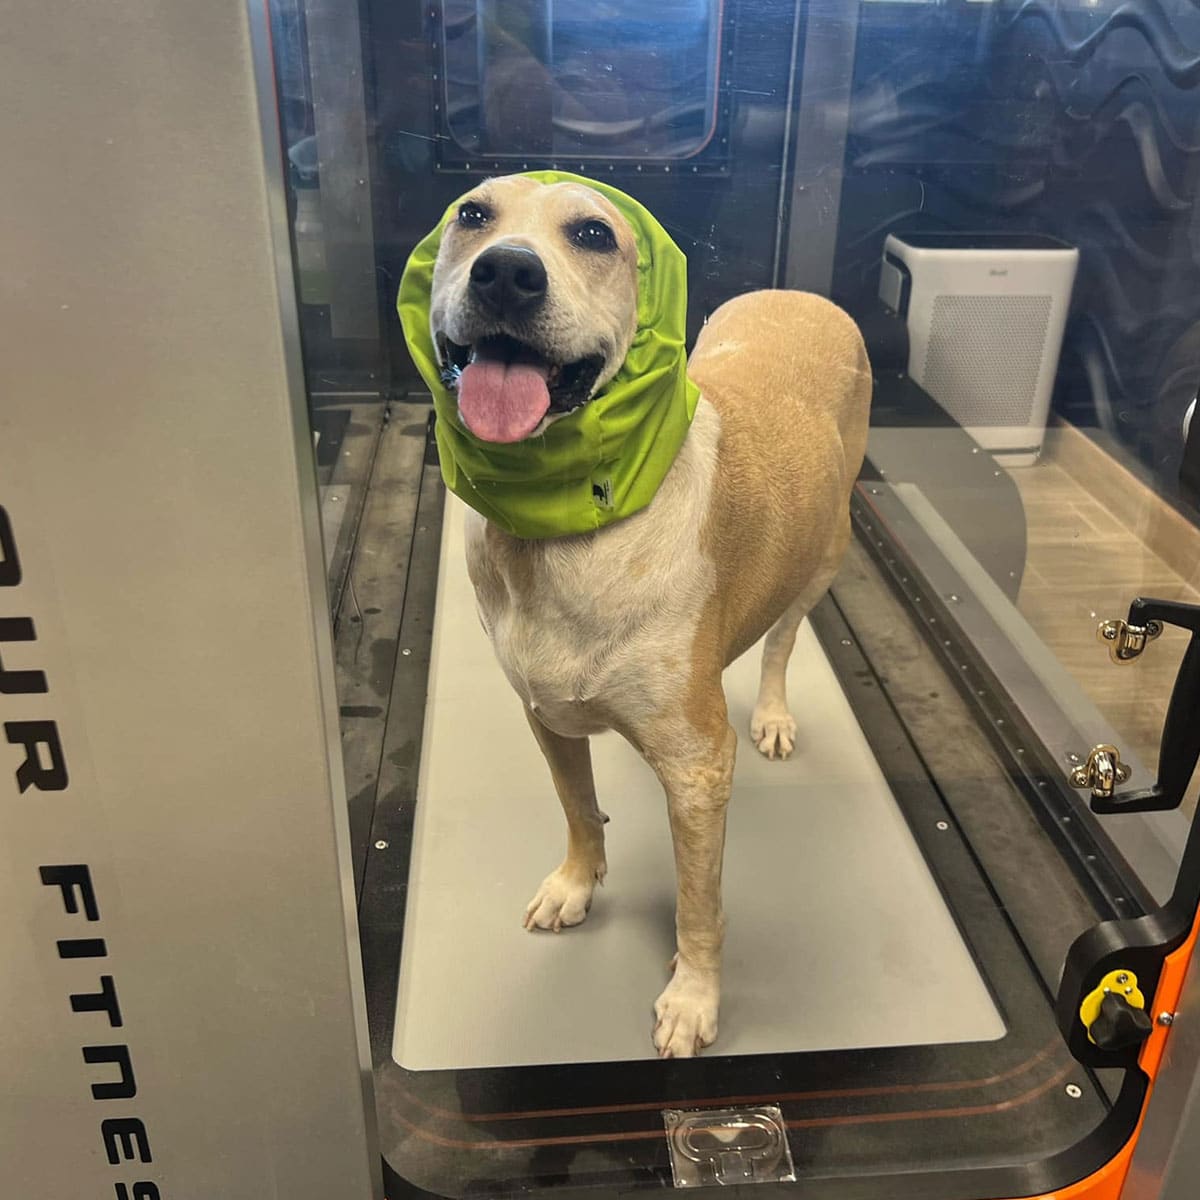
x=697 y=773
x=566 y=893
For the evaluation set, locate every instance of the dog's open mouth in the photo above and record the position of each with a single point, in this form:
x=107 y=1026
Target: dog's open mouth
x=506 y=388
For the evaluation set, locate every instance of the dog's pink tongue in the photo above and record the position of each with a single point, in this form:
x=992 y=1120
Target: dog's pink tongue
x=502 y=401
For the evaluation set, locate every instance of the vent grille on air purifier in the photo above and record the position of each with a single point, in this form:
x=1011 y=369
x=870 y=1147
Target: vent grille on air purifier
x=984 y=355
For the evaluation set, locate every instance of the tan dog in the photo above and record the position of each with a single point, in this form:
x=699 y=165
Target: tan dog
x=630 y=628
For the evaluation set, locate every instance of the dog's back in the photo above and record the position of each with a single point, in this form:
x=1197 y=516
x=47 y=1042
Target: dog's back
x=788 y=374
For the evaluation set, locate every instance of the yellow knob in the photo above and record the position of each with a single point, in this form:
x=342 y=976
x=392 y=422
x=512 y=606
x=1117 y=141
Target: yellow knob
x=1120 y=983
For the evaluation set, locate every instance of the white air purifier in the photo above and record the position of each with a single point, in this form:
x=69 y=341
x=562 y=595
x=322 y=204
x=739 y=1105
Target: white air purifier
x=985 y=316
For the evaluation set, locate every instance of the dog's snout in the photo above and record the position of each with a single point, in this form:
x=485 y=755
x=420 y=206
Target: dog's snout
x=509 y=280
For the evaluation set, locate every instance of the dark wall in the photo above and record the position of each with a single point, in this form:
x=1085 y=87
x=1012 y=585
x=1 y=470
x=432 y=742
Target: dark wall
x=1065 y=118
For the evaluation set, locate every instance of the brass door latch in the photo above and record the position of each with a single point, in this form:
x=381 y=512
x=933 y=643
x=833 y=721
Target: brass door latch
x=1101 y=772
x=1125 y=641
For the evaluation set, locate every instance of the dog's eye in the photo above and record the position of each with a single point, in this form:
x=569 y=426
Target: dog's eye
x=472 y=215
x=593 y=235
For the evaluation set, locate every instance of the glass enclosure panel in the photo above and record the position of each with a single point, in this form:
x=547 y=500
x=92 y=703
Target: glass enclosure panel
x=1001 y=197
x=581 y=81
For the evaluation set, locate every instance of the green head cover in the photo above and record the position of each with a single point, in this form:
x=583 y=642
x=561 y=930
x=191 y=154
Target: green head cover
x=605 y=460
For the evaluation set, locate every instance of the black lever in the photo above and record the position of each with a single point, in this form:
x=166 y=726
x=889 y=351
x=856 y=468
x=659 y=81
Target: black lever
x=1180 y=746
x=1119 y=1025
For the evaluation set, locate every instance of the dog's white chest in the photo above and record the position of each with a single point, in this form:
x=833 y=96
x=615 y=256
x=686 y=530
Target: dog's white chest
x=598 y=630
x=575 y=635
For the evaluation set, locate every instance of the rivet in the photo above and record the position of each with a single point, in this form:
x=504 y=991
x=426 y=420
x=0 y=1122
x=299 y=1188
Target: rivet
x=406 y=651
x=943 y=826
x=381 y=844
x=1074 y=1091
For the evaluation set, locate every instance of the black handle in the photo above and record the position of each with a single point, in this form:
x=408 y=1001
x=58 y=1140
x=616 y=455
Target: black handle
x=1180 y=746
x=1179 y=749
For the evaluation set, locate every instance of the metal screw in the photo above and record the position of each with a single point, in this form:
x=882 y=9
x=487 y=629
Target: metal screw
x=406 y=651
x=1166 y=1018
x=1073 y=758
x=1074 y=1091
x=943 y=826
x=1123 y=978
x=381 y=844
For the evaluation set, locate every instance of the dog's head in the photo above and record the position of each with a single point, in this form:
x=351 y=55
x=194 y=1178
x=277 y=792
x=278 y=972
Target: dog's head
x=534 y=303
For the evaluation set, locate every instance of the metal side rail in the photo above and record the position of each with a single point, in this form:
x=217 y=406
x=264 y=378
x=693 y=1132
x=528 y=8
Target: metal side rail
x=1037 y=716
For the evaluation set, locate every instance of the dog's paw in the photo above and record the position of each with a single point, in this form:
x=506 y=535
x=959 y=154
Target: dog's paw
x=564 y=897
x=685 y=1015
x=773 y=730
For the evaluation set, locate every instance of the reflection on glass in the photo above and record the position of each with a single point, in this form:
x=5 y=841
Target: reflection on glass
x=616 y=79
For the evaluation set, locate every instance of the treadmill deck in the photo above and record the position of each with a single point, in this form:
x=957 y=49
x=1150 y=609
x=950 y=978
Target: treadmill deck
x=837 y=934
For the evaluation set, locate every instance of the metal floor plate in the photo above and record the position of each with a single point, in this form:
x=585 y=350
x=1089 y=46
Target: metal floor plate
x=837 y=935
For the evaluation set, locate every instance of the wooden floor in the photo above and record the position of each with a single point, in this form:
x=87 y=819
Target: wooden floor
x=1090 y=553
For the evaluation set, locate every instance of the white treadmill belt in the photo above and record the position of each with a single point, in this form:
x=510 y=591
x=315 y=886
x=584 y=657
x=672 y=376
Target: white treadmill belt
x=837 y=936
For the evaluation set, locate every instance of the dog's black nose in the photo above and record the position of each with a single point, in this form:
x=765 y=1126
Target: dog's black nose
x=509 y=281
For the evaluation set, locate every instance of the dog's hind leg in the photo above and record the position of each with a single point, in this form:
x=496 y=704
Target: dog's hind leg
x=772 y=727
x=566 y=893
